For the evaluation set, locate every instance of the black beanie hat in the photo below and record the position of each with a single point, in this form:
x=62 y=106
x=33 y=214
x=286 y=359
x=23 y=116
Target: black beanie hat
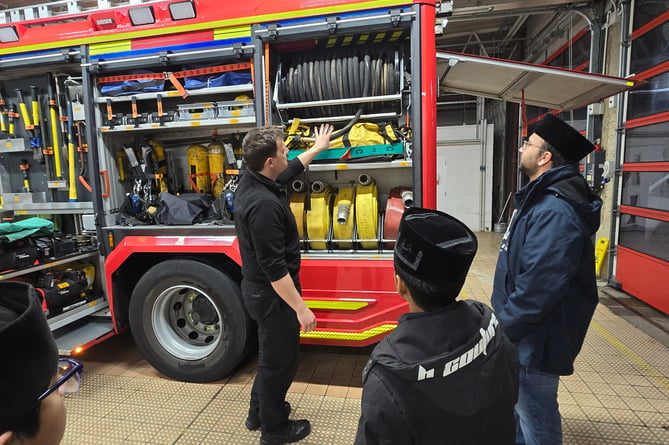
x=434 y=248
x=28 y=351
x=569 y=142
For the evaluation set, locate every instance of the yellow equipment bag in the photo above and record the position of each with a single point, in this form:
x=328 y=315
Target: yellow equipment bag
x=366 y=133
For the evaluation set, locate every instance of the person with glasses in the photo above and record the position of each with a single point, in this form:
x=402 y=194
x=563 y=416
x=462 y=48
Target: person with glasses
x=545 y=289
x=33 y=377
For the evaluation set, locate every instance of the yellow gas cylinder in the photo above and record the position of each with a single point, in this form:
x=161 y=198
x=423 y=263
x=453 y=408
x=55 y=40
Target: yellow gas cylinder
x=198 y=169
x=159 y=151
x=216 y=156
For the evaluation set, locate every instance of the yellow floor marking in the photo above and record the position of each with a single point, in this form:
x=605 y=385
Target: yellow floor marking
x=646 y=367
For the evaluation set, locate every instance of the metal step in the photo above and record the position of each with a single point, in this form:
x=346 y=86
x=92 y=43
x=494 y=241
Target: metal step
x=62 y=7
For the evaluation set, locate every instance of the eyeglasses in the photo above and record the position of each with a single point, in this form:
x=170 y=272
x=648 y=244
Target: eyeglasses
x=527 y=143
x=69 y=378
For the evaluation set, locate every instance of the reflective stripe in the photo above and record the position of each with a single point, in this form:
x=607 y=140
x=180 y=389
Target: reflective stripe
x=354 y=336
x=232 y=32
x=336 y=305
x=110 y=47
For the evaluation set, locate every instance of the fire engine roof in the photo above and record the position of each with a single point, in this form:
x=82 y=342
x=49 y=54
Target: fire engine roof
x=543 y=86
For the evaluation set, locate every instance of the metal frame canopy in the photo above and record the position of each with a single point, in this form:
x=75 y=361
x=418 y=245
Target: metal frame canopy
x=543 y=86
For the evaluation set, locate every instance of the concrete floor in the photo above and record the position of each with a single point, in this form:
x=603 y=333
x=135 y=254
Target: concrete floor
x=618 y=395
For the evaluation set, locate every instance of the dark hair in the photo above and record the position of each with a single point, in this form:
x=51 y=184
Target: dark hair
x=425 y=295
x=28 y=425
x=556 y=156
x=260 y=144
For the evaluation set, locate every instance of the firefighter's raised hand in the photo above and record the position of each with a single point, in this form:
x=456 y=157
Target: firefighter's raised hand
x=322 y=135
x=307 y=319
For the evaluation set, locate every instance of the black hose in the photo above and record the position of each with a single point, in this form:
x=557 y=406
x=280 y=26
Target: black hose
x=348 y=126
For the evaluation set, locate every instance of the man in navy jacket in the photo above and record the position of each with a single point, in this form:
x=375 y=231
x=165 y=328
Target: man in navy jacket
x=545 y=290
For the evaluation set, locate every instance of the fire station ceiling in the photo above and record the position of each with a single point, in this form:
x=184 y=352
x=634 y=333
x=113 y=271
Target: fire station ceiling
x=516 y=81
x=498 y=28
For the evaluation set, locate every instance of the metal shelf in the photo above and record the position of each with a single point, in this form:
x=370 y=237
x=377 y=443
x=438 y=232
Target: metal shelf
x=77 y=313
x=250 y=120
x=175 y=94
x=360 y=165
x=50 y=207
x=26 y=270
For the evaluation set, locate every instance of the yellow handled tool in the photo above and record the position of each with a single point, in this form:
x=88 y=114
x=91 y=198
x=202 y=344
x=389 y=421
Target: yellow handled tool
x=55 y=137
x=24 y=110
x=72 y=196
x=35 y=106
x=3 y=114
x=24 y=167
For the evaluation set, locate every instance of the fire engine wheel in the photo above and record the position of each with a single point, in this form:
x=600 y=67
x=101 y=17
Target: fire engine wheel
x=189 y=321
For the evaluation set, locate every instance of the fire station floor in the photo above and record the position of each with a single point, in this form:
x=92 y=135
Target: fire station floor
x=619 y=393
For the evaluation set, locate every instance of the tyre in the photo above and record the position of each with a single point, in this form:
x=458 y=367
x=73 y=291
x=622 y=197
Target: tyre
x=189 y=321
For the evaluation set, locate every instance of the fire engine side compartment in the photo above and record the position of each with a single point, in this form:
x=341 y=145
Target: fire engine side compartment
x=354 y=300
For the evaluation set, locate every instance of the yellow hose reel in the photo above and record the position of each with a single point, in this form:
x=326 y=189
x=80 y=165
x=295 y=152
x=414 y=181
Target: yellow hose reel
x=367 y=212
x=318 y=217
x=344 y=217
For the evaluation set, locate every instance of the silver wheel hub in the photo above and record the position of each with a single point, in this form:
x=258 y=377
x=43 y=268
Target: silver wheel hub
x=186 y=322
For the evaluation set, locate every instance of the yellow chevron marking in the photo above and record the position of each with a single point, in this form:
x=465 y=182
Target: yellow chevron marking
x=353 y=336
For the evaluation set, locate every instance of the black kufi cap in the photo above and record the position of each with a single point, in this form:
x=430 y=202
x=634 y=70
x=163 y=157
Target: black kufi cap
x=28 y=351
x=435 y=248
x=571 y=144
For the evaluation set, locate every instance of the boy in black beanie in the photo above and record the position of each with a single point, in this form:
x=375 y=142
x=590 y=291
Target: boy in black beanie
x=446 y=374
x=31 y=408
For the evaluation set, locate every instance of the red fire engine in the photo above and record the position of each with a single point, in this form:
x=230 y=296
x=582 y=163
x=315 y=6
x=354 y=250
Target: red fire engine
x=130 y=144
x=154 y=98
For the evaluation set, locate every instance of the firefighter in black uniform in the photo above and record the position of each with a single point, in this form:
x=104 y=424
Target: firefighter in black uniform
x=270 y=248
x=446 y=374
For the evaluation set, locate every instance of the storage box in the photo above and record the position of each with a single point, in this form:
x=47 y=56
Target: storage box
x=193 y=112
x=14 y=145
x=235 y=108
x=24 y=198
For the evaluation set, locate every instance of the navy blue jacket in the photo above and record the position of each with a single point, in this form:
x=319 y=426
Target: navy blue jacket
x=545 y=289
x=444 y=377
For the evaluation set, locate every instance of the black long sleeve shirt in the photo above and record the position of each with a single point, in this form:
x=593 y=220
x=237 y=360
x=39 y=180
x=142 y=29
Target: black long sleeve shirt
x=269 y=242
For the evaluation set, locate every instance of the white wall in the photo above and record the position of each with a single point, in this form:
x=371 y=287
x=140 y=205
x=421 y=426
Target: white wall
x=464 y=172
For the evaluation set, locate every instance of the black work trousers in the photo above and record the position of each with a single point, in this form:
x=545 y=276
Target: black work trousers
x=278 y=341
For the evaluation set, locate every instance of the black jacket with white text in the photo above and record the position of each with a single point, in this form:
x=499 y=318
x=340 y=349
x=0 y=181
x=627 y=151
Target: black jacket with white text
x=444 y=377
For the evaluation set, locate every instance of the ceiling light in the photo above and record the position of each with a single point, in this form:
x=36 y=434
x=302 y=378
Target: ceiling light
x=142 y=15
x=182 y=10
x=8 y=34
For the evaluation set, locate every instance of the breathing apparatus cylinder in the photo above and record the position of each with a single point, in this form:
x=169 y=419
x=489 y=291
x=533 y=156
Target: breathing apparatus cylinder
x=216 y=157
x=198 y=168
